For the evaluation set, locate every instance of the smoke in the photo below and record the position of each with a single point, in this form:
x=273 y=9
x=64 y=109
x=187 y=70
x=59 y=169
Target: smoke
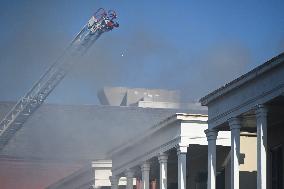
x=151 y=61
x=142 y=52
x=36 y=33
x=215 y=67
x=28 y=46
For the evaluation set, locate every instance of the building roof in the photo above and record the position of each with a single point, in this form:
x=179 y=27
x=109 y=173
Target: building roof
x=251 y=75
x=80 y=132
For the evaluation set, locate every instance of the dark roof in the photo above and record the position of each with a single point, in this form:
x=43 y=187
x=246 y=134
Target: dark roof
x=81 y=132
x=270 y=64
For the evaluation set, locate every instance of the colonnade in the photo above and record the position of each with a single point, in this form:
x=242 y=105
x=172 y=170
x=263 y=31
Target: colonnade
x=145 y=171
x=235 y=126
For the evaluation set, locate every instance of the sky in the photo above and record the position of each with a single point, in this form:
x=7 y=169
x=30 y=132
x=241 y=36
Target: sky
x=191 y=46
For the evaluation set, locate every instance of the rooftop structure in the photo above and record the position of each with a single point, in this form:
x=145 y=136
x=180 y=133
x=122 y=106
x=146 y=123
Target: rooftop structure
x=146 y=98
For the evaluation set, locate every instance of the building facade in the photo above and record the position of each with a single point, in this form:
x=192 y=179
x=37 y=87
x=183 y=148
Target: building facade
x=252 y=103
x=173 y=154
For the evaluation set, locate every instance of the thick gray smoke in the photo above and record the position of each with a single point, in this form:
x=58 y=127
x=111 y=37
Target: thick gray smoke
x=35 y=34
x=128 y=62
x=28 y=45
x=143 y=58
x=217 y=66
x=151 y=61
x=133 y=56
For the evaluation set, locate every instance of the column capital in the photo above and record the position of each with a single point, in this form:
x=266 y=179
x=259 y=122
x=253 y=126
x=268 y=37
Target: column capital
x=211 y=134
x=261 y=110
x=181 y=149
x=163 y=157
x=234 y=123
x=145 y=166
x=129 y=173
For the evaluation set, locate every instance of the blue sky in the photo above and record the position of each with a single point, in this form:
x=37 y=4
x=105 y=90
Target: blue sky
x=192 y=46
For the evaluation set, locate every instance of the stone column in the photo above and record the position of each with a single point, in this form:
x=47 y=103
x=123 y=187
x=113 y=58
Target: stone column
x=145 y=169
x=261 y=124
x=181 y=153
x=211 y=135
x=235 y=126
x=114 y=182
x=129 y=178
x=163 y=160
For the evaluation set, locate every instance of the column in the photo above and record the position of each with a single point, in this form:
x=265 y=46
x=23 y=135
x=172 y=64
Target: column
x=163 y=160
x=181 y=153
x=129 y=178
x=261 y=124
x=211 y=135
x=114 y=182
x=235 y=126
x=145 y=169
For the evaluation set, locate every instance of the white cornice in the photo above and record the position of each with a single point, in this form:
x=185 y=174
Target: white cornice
x=102 y=164
x=249 y=104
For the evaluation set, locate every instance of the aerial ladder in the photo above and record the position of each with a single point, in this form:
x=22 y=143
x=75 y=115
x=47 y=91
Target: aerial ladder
x=99 y=23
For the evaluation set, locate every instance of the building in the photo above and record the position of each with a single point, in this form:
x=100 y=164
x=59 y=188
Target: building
x=80 y=178
x=61 y=139
x=173 y=153
x=253 y=103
